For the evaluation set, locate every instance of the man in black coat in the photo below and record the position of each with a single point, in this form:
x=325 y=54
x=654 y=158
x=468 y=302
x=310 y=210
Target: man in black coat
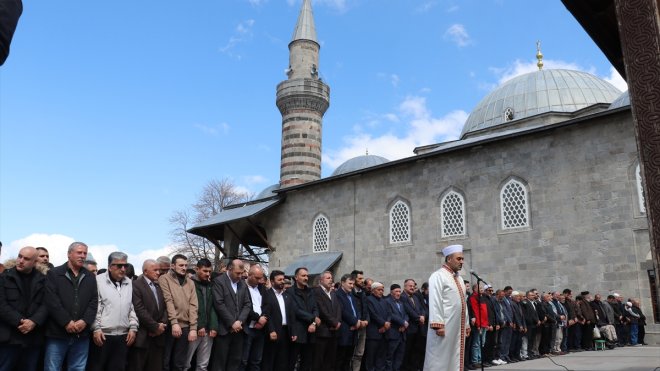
x=253 y=345
x=325 y=348
x=72 y=300
x=23 y=312
x=360 y=296
x=279 y=311
x=350 y=323
x=306 y=320
x=231 y=300
x=415 y=342
x=396 y=335
x=532 y=322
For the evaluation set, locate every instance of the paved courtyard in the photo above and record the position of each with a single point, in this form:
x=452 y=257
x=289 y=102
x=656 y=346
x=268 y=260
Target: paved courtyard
x=645 y=358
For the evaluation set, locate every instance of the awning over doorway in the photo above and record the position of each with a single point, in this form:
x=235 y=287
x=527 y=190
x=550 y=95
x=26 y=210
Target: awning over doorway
x=212 y=227
x=316 y=263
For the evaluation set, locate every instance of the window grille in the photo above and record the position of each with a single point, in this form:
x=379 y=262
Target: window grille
x=399 y=223
x=514 y=205
x=452 y=212
x=640 y=190
x=321 y=233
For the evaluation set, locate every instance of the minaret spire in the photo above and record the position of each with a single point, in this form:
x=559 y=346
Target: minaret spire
x=305 y=29
x=302 y=100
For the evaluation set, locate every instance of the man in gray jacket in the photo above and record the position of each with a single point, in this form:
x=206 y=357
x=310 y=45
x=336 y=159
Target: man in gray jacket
x=116 y=323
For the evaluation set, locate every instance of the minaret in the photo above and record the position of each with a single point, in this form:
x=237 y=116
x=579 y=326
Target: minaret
x=302 y=100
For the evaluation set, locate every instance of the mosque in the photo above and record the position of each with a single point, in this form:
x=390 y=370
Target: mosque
x=543 y=189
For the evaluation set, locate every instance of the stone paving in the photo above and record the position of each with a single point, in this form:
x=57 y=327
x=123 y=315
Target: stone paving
x=646 y=358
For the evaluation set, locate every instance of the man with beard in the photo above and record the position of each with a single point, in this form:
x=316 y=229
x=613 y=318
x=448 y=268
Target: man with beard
x=207 y=320
x=116 y=323
x=23 y=312
x=589 y=321
x=232 y=302
x=72 y=302
x=278 y=309
x=360 y=295
x=306 y=320
x=181 y=303
x=448 y=317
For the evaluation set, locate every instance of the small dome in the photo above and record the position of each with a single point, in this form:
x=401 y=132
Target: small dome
x=621 y=101
x=359 y=163
x=268 y=191
x=539 y=92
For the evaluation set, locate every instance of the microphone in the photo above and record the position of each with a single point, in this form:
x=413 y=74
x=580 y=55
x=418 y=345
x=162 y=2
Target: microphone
x=477 y=277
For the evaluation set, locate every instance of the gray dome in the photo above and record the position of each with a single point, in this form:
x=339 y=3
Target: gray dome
x=538 y=92
x=268 y=191
x=621 y=101
x=359 y=163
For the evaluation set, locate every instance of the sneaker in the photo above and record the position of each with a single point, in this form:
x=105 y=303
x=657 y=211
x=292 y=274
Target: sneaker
x=497 y=362
x=503 y=362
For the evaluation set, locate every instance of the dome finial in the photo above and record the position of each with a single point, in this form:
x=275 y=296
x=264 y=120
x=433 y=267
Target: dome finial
x=539 y=55
x=367 y=151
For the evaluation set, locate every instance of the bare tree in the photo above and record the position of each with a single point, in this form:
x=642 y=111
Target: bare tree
x=216 y=195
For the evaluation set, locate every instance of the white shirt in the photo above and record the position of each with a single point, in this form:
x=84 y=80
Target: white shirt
x=234 y=285
x=256 y=301
x=280 y=300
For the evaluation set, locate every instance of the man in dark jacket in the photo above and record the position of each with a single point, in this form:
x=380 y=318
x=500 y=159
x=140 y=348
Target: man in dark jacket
x=532 y=322
x=379 y=324
x=396 y=335
x=149 y=303
x=279 y=311
x=415 y=343
x=72 y=300
x=232 y=303
x=549 y=323
x=589 y=320
x=23 y=312
x=360 y=294
x=253 y=345
x=350 y=323
x=306 y=320
x=207 y=319
x=325 y=348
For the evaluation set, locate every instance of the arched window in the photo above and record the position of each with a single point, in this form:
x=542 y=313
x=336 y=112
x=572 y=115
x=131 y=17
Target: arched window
x=320 y=234
x=452 y=214
x=640 y=189
x=399 y=222
x=514 y=205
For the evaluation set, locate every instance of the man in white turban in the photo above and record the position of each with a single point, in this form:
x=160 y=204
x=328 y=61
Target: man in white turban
x=448 y=315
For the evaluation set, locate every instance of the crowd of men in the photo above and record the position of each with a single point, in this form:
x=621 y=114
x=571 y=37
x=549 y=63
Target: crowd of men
x=170 y=318
x=510 y=326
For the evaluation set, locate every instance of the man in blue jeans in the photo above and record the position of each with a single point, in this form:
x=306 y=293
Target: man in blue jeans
x=72 y=300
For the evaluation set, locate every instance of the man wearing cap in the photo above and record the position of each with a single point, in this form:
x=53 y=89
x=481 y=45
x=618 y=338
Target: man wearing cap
x=448 y=315
x=376 y=345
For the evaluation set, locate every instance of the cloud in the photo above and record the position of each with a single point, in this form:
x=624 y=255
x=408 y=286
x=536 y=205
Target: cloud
x=420 y=128
x=255 y=179
x=242 y=33
x=518 y=67
x=256 y=3
x=214 y=130
x=425 y=6
x=58 y=244
x=616 y=79
x=392 y=77
x=453 y=8
x=458 y=35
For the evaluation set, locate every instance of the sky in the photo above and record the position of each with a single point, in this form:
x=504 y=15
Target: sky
x=115 y=114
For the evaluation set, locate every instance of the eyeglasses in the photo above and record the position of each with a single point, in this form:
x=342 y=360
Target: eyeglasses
x=121 y=265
